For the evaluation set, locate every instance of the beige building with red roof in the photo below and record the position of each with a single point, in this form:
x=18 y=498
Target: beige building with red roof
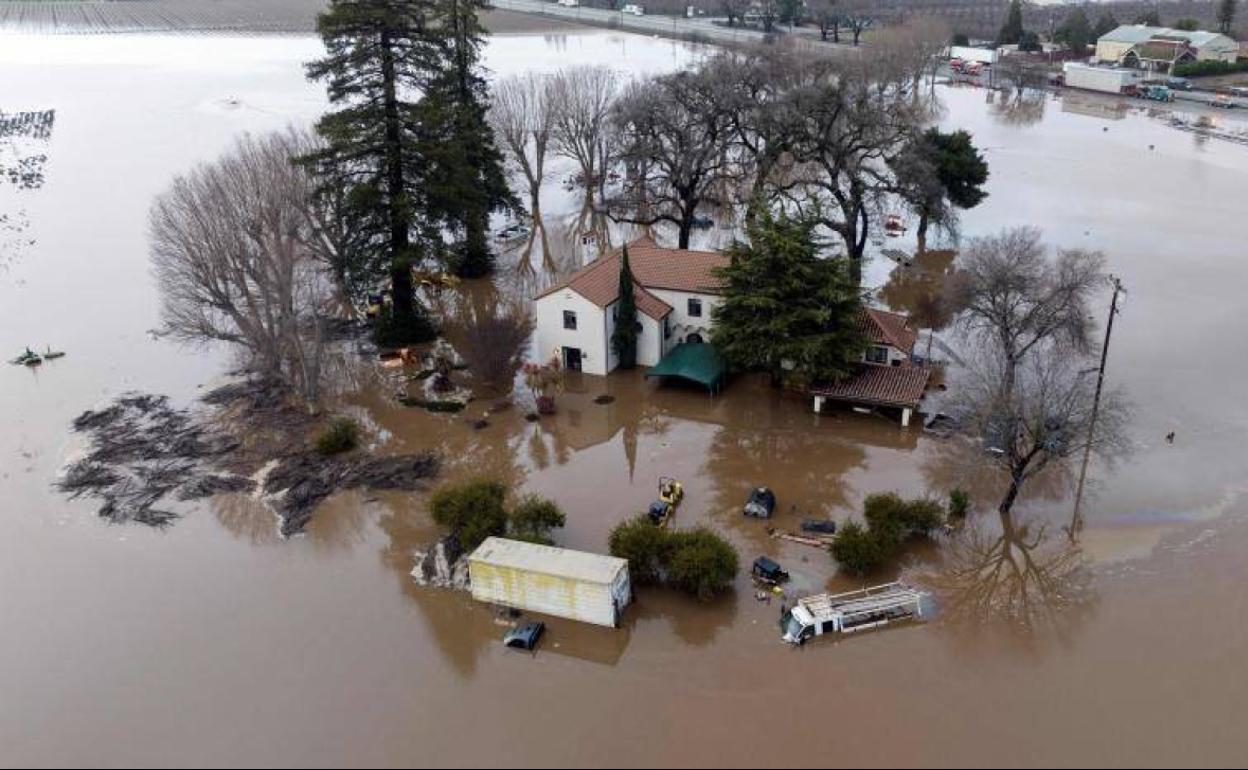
x=675 y=290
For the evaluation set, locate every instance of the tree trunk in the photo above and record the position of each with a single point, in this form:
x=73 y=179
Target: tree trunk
x=922 y=231
x=1011 y=495
x=402 y=297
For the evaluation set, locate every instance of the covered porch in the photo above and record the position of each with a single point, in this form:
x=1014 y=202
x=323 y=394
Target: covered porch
x=695 y=362
x=896 y=387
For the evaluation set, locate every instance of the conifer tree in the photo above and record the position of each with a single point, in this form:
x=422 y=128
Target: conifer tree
x=786 y=310
x=624 y=338
x=379 y=55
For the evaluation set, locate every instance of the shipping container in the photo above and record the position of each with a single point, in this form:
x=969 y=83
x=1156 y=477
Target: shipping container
x=555 y=581
x=1108 y=80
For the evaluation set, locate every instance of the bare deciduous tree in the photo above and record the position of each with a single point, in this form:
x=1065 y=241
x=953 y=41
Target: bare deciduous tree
x=1019 y=300
x=522 y=113
x=675 y=146
x=581 y=127
x=1040 y=416
x=854 y=121
x=242 y=255
x=493 y=337
x=827 y=17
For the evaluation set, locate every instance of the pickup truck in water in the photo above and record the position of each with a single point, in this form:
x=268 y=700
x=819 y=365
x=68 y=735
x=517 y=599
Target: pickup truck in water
x=851 y=611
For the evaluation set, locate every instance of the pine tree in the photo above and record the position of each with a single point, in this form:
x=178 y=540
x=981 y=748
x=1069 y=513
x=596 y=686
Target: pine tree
x=624 y=338
x=1012 y=30
x=1075 y=32
x=786 y=311
x=379 y=52
x=1226 y=16
x=468 y=181
x=1105 y=23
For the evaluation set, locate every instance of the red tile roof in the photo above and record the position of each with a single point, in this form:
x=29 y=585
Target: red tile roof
x=653 y=267
x=884 y=328
x=879 y=385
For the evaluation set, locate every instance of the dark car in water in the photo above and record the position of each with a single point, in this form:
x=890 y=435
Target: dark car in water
x=761 y=503
x=526 y=636
x=767 y=571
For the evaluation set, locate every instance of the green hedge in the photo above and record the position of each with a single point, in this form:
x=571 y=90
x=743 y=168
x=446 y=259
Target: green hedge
x=1197 y=69
x=696 y=561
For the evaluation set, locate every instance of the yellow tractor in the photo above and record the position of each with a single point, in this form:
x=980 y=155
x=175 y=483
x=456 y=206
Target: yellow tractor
x=671 y=492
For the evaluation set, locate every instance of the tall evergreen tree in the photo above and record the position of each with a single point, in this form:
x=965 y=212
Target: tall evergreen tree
x=1012 y=30
x=624 y=338
x=786 y=311
x=468 y=181
x=1226 y=15
x=1105 y=23
x=1075 y=32
x=378 y=54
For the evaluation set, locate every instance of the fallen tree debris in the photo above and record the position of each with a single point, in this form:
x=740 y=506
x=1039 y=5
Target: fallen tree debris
x=143 y=454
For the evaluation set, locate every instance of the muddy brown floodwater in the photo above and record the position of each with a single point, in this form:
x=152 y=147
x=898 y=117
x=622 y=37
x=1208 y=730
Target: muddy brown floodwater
x=215 y=641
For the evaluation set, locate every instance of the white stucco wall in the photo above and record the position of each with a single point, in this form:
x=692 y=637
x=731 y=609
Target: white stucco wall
x=590 y=335
x=682 y=322
x=896 y=356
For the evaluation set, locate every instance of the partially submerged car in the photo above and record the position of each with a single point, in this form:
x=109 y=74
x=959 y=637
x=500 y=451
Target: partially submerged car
x=525 y=636
x=819 y=526
x=761 y=504
x=767 y=571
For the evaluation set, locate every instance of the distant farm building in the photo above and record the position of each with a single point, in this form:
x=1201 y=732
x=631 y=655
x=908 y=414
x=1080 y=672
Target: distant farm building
x=1160 y=49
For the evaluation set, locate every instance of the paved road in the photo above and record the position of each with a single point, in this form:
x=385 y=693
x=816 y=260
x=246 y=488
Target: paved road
x=702 y=29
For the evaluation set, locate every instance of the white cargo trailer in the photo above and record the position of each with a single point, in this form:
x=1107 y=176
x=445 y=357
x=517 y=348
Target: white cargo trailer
x=987 y=56
x=1107 y=80
x=555 y=581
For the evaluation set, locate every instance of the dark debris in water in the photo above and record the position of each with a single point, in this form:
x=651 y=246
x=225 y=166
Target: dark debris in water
x=143 y=453
x=141 y=450
x=304 y=480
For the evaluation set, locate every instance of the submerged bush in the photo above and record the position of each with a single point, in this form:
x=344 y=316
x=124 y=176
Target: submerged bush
x=698 y=561
x=643 y=545
x=860 y=550
x=341 y=435
x=533 y=518
x=891 y=520
x=472 y=511
x=701 y=563
x=959 y=503
x=475 y=510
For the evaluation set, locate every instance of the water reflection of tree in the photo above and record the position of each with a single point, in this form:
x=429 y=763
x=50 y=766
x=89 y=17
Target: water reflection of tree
x=1019 y=573
x=1020 y=107
x=1007 y=569
x=924 y=289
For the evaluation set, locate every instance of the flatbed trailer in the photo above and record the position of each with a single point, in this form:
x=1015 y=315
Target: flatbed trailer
x=851 y=611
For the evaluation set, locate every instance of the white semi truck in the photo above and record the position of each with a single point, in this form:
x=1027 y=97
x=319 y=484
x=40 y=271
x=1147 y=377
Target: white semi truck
x=851 y=611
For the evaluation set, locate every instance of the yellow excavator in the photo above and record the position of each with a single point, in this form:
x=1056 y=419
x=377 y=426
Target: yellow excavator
x=671 y=492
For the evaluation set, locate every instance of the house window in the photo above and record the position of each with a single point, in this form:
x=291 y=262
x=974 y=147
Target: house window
x=695 y=307
x=877 y=354
x=569 y=319
x=667 y=327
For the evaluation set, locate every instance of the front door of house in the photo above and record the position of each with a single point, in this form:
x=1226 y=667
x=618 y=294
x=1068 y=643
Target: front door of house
x=572 y=359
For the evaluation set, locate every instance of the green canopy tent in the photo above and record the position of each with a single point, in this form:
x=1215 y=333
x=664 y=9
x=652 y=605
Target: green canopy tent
x=694 y=361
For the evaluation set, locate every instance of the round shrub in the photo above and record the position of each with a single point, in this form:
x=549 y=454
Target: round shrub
x=341 y=435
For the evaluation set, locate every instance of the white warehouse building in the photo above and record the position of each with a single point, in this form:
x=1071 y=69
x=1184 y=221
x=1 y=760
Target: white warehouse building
x=675 y=290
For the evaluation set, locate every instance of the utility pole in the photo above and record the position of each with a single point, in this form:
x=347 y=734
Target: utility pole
x=1076 y=522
